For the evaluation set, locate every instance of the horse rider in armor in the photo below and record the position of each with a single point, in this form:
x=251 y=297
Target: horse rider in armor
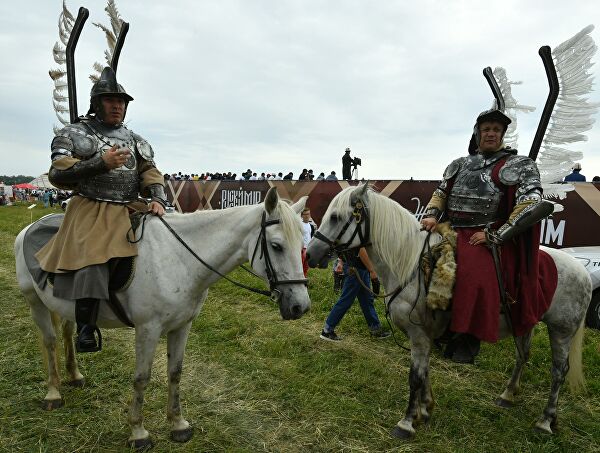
x=493 y=200
x=108 y=167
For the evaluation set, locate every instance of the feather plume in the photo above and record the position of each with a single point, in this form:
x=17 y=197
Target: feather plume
x=512 y=106
x=59 y=53
x=59 y=97
x=57 y=73
x=111 y=35
x=115 y=17
x=111 y=39
x=67 y=13
x=66 y=20
x=60 y=108
x=60 y=85
x=573 y=113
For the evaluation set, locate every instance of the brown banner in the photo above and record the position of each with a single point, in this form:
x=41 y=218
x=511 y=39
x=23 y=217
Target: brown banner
x=578 y=225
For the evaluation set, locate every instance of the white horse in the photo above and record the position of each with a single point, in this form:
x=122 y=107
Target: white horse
x=396 y=243
x=169 y=288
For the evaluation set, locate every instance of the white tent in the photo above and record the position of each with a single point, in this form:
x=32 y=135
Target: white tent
x=42 y=182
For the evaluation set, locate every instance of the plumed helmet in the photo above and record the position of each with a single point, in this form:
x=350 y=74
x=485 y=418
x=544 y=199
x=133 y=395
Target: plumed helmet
x=494 y=115
x=107 y=85
x=577 y=166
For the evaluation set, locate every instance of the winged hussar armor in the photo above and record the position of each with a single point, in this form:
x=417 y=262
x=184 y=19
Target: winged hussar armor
x=88 y=140
x=474 y=198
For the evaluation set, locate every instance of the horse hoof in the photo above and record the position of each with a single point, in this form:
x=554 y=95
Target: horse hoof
x=78 y=383
x=50 y=405
x=141 y=444
x=403 y=434
x=182 y=435
x=506 y=404
x=543 y=428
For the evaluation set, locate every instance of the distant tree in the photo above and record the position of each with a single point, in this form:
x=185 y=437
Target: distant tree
x=12 y=180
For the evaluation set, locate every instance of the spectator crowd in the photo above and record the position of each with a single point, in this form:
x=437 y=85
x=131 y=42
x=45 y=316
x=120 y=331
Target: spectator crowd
x=250 y=175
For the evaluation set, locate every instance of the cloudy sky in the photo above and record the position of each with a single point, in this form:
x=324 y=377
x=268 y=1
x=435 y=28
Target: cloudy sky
x=281 y=85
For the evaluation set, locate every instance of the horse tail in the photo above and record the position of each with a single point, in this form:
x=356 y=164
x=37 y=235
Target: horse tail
x=575 y=376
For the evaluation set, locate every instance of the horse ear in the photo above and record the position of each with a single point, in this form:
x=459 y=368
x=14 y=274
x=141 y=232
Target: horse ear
x=271 y=200
x=299 y=205
x=359 y=193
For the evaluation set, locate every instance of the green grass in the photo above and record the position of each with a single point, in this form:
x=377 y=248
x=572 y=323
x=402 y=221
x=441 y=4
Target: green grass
x=252 y=382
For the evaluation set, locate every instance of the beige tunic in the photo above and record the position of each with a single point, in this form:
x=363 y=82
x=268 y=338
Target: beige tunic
x=92 y=231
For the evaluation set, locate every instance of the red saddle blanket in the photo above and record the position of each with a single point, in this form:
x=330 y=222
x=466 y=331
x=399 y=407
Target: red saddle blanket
x=530 y=279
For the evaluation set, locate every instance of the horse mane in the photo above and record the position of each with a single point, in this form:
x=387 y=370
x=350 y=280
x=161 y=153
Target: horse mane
x=291 y=224
x=394 y=231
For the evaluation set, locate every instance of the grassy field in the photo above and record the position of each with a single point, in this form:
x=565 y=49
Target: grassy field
x=252 y=382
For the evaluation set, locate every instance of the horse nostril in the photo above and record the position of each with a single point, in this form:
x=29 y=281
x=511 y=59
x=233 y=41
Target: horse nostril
x=307 y=256
x=296 y=311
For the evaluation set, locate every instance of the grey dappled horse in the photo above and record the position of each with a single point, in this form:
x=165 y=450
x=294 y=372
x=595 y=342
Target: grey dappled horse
x=169 y=288
x=397 y=240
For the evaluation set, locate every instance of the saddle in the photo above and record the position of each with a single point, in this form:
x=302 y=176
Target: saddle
x=121 y=270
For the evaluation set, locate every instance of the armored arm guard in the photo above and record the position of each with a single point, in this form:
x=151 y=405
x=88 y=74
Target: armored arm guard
x=525 y=219
x=157 y=192
x=71 y=143
x=82 y=169
x=530 y=207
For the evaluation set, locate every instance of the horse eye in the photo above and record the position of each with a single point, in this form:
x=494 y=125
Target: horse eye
x=334 y=218
x=276 y=246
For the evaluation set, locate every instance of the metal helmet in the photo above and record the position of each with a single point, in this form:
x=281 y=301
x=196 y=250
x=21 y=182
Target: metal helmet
x=106 y=85
x=490 y=115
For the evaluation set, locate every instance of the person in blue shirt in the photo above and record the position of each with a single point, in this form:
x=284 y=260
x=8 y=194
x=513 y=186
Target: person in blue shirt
x=575 y=176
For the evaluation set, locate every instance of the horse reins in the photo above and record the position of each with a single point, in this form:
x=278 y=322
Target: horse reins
x=274 y=293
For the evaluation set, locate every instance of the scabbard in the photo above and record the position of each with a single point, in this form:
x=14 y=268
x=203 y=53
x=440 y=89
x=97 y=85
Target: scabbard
x=500 y=279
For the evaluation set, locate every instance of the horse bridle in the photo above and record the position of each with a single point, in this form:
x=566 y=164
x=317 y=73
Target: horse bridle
x=274 y=293
x=359 y=216
x=269 y=269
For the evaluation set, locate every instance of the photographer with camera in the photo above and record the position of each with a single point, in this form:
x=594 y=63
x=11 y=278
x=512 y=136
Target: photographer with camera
x=346 y=164
x=349 y=165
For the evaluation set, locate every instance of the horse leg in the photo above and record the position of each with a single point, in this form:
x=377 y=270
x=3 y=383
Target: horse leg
x=76 y=379
x=181 y=431
x=43 y=318
x=560 y=344
x=146 y=339
x=427 y=401
x=513 y=386
x=420 y=401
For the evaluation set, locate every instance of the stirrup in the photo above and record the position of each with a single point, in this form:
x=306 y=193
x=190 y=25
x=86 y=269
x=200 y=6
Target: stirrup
x=81 y=347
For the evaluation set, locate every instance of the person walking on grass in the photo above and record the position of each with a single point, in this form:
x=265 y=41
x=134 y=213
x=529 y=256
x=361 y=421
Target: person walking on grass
x=359 y=267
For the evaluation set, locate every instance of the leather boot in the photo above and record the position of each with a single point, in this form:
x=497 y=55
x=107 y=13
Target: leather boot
x=86 y=314
x=463 y=348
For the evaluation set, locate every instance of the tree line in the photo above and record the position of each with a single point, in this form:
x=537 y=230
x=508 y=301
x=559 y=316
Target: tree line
x=15 y=179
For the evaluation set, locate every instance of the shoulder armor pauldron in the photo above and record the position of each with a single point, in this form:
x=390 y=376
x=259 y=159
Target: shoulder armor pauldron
x=453 y=168
x=516 y=169
x=75 y=139
x=143 y=147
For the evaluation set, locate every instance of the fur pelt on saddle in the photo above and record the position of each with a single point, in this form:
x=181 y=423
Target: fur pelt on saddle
x=440 y=281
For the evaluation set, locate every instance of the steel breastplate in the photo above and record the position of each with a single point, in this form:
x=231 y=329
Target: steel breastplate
x=119 y=185
x=474 y=199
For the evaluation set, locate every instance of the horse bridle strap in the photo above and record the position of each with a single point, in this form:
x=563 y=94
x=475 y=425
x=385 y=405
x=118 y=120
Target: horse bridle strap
x=264 y=251
x=359 y=214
